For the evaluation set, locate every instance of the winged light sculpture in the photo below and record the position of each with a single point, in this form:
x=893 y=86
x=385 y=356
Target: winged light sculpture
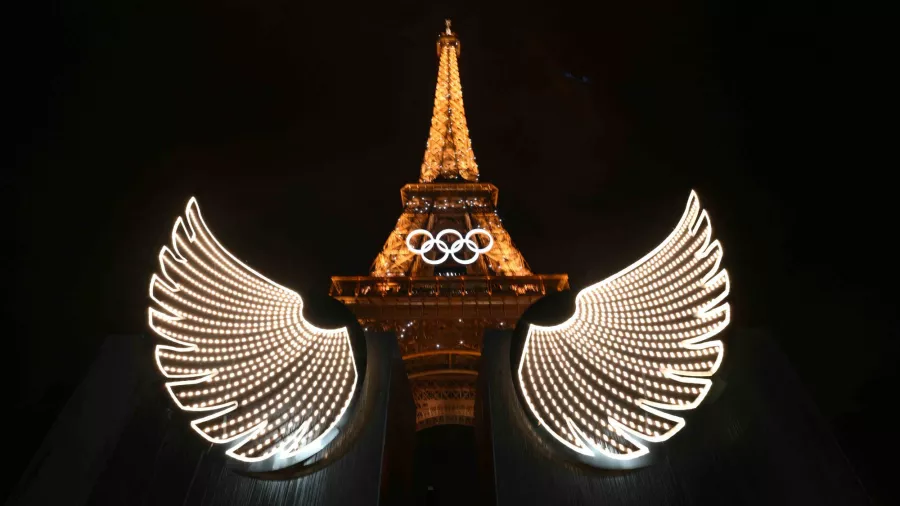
x=636 y=349
x=270 y=384
x=241 y=355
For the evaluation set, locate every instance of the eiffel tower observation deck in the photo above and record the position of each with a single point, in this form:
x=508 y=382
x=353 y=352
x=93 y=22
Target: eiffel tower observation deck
x=449 y=270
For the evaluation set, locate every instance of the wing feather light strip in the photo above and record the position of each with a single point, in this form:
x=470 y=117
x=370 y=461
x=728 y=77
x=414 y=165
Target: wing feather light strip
x=636 y=348
x=266 y=380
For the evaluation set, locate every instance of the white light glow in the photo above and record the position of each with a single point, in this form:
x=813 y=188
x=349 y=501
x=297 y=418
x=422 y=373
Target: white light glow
x=452 y=249
x=272 y=383
x=635 y=348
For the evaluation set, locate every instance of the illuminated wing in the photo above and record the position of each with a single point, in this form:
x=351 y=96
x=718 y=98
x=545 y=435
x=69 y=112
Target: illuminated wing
x=265 y=379
x=636 y=348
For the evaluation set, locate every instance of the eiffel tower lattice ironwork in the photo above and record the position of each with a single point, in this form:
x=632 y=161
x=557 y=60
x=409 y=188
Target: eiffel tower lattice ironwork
x=440 y=311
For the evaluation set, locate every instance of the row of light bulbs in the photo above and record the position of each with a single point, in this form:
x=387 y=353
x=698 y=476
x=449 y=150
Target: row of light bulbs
x=636 y=347
x=271 y=382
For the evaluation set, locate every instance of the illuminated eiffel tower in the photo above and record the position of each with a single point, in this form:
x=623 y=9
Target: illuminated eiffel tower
x=440 y=309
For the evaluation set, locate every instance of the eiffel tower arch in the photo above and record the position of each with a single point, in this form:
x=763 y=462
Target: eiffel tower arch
x=458 y=275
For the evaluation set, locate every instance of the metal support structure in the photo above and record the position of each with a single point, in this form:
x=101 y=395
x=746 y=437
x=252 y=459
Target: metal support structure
x=442 y=402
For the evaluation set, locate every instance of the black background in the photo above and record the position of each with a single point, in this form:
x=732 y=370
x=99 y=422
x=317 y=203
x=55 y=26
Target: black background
x=296 y=124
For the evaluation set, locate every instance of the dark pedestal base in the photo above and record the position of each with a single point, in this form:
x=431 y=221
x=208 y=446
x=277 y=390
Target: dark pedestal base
x=760 y=440
x=120 y=441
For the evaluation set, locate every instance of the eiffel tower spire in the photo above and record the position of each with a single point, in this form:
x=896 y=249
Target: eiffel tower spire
x=448 y=154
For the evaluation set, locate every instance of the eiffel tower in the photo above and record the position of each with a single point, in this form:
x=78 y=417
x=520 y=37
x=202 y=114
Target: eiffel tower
x=438 y=309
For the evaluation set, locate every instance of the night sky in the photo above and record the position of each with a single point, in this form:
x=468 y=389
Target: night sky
x=296 y=127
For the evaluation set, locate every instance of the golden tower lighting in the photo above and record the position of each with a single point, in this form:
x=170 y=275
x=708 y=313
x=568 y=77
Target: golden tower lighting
x=440 y=307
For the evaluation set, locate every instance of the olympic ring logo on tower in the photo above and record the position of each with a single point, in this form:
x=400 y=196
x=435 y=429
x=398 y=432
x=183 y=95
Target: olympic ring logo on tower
x=452 y=249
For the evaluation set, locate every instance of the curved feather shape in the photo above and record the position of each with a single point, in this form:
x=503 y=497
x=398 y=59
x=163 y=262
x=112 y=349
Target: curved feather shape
x=636 y=348
x=241 y=353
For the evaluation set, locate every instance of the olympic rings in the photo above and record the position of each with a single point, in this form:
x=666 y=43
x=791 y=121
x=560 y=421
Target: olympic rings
x=451 y=250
